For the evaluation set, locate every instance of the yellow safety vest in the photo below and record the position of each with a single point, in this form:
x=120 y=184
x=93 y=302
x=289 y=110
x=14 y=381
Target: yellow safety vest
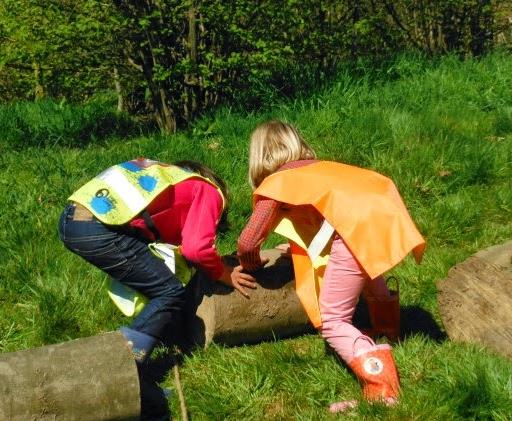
x=131 y=302
x=122 y=192
x=362 y=206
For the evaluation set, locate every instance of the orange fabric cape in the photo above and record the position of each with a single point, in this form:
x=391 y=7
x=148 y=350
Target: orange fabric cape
x=365 y=209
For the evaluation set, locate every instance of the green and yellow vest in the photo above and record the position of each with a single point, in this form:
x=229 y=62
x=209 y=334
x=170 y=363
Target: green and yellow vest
x=122 y=192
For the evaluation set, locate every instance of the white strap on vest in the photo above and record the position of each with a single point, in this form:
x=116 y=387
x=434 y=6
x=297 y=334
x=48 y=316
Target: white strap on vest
x=320 y=240
x=173 y=259
x=131 y=302
x=166 y=252
x=122 y=186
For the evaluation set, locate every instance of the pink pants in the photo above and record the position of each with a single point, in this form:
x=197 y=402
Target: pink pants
x=344 y=281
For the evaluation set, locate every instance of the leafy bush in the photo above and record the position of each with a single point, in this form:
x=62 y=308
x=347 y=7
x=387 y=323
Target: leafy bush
x=175 y=59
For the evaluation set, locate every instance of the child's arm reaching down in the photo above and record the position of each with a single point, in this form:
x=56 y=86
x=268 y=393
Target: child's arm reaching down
x=255 y=233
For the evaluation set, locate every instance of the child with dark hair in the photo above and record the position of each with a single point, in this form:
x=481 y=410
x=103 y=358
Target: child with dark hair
x=112 y=221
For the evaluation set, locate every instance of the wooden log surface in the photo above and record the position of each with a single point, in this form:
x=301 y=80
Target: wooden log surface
x=84 y=379
x=475 y=300
x=216 y=313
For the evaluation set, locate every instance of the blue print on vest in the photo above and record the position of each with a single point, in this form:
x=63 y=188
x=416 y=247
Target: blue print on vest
x=101 y=205
x=147 y=182
x=130 y=166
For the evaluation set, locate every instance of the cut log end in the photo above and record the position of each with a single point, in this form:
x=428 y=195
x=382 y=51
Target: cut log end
x=85 y=379
x=475 y=300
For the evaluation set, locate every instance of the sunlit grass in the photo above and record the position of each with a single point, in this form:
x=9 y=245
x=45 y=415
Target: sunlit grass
x=442 y=131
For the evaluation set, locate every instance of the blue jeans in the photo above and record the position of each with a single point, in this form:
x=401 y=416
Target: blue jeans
x=127 y=258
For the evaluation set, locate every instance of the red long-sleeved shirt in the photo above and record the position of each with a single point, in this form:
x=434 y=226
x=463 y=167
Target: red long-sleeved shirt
x=259 y=225
x=187 y=214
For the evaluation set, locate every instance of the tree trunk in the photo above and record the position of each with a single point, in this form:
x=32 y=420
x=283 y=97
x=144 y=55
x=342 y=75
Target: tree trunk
x=219 y=314
x=475 y=300
x=356 y=15
x=119 y=91
x=39 y=89
x=85 y=379
x=191 y=79
x=481 y=27
x=164 y=114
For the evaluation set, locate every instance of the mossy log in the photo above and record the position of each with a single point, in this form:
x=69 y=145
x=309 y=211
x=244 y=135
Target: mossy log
x=475 y=300
x=84 y=379
x=219 y=314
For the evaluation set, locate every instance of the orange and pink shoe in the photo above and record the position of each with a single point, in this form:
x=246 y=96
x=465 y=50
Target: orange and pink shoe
x=376 y=371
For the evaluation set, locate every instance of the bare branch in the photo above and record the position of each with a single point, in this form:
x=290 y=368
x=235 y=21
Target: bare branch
x=132 y=63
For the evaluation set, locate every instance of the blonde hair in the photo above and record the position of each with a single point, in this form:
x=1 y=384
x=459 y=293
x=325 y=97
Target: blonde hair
x=273 y=144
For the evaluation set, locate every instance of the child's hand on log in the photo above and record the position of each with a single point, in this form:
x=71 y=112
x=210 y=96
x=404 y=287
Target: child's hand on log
x=285 y=248
x=237 y=279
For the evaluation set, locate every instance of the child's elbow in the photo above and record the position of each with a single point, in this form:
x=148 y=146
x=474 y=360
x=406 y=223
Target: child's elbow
x=192 y=254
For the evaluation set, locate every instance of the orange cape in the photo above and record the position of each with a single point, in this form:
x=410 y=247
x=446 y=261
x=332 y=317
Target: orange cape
x=364 y=208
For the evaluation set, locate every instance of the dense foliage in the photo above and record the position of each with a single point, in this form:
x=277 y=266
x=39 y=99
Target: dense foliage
x=178 y=58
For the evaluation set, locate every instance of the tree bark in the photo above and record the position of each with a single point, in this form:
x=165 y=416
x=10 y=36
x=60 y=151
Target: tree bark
x=119 y=91
x=191 y=79
x=164 y=115
x=475 y=300
x=481 y=27
x=219 y=314
x=85 y=379
x=39 y=89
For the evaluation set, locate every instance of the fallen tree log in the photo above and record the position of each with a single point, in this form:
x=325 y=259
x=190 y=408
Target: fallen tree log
x=85 y=379
x=475 y=300
x=216 y=313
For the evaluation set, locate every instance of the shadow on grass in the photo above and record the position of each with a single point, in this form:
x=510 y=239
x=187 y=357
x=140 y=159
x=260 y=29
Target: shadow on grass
x=414 y=320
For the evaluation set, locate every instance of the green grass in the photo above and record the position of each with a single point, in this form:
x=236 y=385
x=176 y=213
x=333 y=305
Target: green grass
x=47 y=123
x=442 y=131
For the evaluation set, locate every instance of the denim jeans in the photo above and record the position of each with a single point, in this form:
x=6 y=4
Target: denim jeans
x=127 y=258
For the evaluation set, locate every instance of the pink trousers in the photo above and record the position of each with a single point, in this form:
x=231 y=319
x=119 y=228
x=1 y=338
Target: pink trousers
x=344 y=281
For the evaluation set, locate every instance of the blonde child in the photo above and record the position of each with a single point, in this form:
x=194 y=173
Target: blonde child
x=349 y=217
